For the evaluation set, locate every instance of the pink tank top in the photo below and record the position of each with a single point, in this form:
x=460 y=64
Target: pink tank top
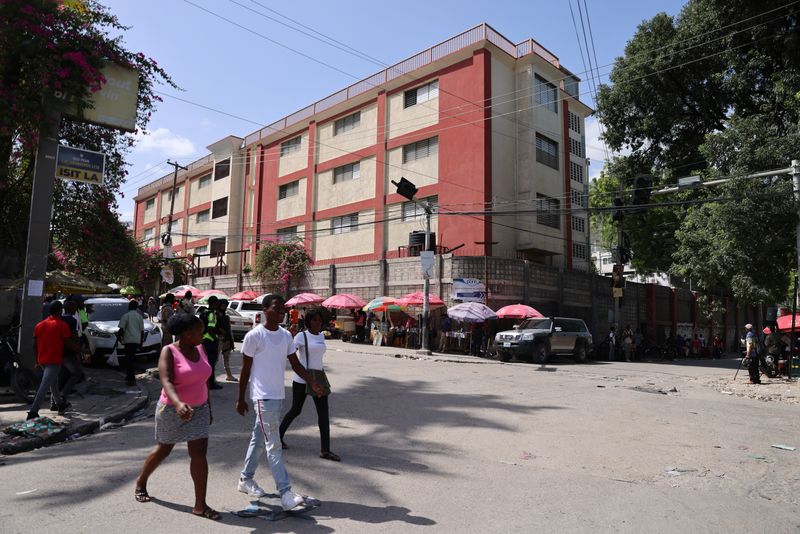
x=189 y=378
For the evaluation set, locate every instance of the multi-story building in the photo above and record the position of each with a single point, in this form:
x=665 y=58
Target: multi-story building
x=477 y=123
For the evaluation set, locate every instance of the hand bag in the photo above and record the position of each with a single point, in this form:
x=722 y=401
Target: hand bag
x=317 y=375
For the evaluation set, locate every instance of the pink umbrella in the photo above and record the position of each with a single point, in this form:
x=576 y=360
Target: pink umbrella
x=209 y=292
x=304 y=299
x=344 y=301
x=416 y=300
x=180 y=291
x=517 y=311
x=244 y=295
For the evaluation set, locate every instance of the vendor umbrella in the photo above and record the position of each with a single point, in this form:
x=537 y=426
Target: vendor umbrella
x=208 y=292
x=244 y=295
x=180 y=291
x=517 y=311
x=785 y=323
x=417 y=299
x=304 y=299
x=383 y=304
x=344 y=301
x=471 y=312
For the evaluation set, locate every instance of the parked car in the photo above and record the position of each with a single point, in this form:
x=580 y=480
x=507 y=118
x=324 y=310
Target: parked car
x=102 y=329
x=240 y=324
x=249 y=308
x=539 y=339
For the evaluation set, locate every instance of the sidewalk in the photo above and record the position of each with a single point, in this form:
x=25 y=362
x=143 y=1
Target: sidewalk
x=101 y=399
x=399 y=352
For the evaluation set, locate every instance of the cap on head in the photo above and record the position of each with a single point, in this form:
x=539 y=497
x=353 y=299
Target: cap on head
x=748 y=326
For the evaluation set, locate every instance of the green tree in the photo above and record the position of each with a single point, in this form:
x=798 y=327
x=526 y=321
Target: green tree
x=713 y=91
x=278 y=264
x=48 y=46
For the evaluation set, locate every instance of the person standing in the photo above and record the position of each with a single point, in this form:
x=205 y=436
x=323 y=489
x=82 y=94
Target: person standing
x=361 y=322
x=612 y=344
x=446 y=327
x=71 y=361
x=751 y=353
x=211 y=321
x=718 y=345
x=627 y=342
x=152 y=307
x=50 y=336
x=167 y=311
x=183 y=412
x=131 y=331
x=310 y=345
x=226 y=343
x=186 y=305
x=264 y=354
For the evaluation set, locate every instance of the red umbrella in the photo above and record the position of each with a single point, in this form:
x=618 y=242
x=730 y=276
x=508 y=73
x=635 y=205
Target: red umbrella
x=785 y=323
x=344 y=301
x=209 y=292
x=416 y=300
x=304 y=299
x=244 y=295
x=180 y=291
x=517 y=311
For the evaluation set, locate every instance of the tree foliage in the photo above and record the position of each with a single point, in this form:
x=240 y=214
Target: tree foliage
x=48 y=46
x=278 y=264
x=714 y=91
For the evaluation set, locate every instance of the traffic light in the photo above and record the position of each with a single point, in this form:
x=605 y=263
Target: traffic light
x=642 y=187
x=405 y=188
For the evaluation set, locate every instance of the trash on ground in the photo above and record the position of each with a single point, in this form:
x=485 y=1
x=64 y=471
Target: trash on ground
x=526 y=455
x=784 y=447
x=673 y=390
x=758 y=457
x=26 y=492
x=724 y=392
x=601 y=386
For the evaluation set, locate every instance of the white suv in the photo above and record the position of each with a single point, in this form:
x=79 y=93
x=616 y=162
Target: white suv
x=102 y=329
x=249 y=308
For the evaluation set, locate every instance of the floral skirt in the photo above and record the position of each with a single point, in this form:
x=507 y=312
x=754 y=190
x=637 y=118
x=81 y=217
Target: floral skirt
x=170 y=428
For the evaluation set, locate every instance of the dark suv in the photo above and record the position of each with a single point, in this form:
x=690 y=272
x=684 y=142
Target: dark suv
x=540 y=338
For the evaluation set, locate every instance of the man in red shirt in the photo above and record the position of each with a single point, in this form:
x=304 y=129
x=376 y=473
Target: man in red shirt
x=50 y=337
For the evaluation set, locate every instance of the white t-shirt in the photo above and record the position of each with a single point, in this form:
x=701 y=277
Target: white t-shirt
x=269 y=350
x=316 y=350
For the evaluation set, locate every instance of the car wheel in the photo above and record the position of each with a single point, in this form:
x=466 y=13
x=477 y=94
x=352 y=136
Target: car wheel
x=541 y=353
x=580 y=354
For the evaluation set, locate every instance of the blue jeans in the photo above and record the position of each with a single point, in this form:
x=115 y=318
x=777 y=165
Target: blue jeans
x=49 y=381
x=266 y=435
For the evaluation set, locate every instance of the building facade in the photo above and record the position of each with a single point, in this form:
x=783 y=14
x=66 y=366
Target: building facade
x=490 y=132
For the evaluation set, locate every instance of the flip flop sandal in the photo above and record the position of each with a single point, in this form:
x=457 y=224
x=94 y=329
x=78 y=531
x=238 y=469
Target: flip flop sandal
x=208 y=513
x=141 y=495
x=328 y=455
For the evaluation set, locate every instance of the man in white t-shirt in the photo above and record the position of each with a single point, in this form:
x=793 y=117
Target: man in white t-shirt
x=264 y=354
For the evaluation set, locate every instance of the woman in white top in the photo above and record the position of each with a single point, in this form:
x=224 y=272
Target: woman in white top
x=310 y=359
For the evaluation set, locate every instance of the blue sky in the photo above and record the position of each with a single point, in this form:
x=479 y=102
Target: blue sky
x=231 y=69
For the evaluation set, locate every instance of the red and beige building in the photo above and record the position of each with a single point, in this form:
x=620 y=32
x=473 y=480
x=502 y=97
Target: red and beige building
x=476 y=122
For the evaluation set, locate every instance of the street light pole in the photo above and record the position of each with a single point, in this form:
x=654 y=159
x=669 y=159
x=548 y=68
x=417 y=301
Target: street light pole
x=795 y=171
x=426 y=284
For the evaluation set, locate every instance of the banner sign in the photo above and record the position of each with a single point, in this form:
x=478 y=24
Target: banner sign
x=468 y=290
x=426 y=259
x=114 y=105
x=80 y=165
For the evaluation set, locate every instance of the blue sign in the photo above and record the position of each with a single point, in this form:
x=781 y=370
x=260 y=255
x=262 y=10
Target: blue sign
x=80 y=165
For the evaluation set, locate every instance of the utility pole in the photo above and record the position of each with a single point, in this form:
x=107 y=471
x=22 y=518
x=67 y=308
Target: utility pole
x=166 y=237
x=426 y=284
x=34 y=280
x=795 y=172
x=486 y=271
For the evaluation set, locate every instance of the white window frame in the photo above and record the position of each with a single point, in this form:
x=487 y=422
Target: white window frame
x=149 y=204
x=149 y=234
x=291 y=146
x=344 y=224
x=201 y=250
x=421 y=94
x=545 y=93
x=421 y=149
x=413 y=209
x=204 y=181
x=345 y=124
x=345 y=173
x=203 y=216
x=289 y=190
x=174 y=228
x=286 y=234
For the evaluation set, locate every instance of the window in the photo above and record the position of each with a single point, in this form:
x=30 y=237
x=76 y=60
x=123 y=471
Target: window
x=546 y=94
x=578 y=224
x=219 y=208
x=201 y=250
x=344 y=224
x=291 y=146
x=413 y=210
x=177 y=194
x=418 y=95
x=345 y=124
x=578 y=199
x=149 y=234
x=579 y=251
x=576 y=148
x=287 y=234
x=574 y=122
x=546 y=151
x=576 y=171
x=149 y=204
x=288 y=190
x=547 y=208
x=204 y=181
x=351 y=171
x=175 y=227
x=222 y=169
x=217 y=246
x=420 y=149
x=203 y=216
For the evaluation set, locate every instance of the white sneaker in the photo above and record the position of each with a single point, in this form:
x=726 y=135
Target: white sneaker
x=291 y=500
x=251 y=487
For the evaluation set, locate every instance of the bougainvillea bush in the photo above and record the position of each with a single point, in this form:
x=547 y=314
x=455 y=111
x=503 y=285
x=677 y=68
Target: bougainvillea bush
x=279 y=263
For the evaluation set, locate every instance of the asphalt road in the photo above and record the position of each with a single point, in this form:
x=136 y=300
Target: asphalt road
x=440 y=446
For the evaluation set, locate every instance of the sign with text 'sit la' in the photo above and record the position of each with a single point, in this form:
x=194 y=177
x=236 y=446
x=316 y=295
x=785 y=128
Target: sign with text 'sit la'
x=80 y=165
x=468 y=290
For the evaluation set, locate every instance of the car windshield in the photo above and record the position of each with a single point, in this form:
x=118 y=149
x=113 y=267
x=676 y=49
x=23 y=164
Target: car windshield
x=535 y=324
x=108 y=311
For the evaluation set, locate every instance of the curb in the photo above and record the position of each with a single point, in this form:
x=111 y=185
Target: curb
x=410 y=354
x=80 y=428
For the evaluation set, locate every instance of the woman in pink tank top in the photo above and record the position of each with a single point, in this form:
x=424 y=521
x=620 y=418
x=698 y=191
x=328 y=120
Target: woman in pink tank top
x=183 y=412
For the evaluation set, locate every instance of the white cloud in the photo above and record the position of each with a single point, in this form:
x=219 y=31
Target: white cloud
x=165 y=142
x=594 y=147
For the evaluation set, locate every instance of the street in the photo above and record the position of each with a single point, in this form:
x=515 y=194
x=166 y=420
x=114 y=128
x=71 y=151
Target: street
x=450 y=444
